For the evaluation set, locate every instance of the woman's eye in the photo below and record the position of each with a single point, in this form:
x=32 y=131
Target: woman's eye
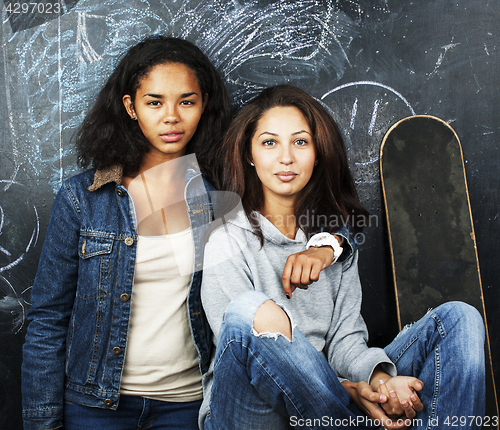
x=187 y=102
x=300 y=142
x=268 y=143
x=154 y=103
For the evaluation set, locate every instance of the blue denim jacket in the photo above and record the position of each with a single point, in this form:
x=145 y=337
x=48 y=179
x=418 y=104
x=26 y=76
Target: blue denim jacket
x=80 y=311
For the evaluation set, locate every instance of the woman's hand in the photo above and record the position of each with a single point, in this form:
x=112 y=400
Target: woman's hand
x=371 y=403
x=401 y=392
x=303 y=268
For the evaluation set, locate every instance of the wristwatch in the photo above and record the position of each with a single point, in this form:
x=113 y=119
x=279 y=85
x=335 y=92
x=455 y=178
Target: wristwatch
x=326 y=239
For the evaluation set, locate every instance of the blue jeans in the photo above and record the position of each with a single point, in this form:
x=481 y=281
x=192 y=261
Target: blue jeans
x=268 y=382
x=133 y=413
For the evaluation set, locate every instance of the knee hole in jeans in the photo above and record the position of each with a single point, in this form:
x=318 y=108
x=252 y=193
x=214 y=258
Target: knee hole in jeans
x=270 y=321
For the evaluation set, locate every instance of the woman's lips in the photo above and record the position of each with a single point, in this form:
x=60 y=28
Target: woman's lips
x=286 y=176
x=172 y=136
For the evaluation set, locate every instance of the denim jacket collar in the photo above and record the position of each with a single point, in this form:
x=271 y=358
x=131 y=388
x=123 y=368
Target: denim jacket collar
x=115 y=174
x=103 y=176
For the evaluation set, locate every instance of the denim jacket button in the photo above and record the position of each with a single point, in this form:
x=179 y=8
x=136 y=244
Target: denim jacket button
x=117 y=350
x=120 y=193
x=129 y=241
x=124 y=297
x=108 y=402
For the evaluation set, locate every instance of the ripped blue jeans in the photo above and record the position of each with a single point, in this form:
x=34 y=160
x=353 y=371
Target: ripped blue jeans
x=264 y=382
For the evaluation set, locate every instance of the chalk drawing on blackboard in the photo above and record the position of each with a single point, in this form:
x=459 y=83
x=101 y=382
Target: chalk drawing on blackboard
x=24 y=227
x=364 y=111
x=441 y=56
x=19 y=231
x=376 y=84
x=260 y=44
x=88 y=53
x=12 y=307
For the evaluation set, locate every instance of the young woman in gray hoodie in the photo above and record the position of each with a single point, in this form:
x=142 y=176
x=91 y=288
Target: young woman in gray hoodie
x=302 y=361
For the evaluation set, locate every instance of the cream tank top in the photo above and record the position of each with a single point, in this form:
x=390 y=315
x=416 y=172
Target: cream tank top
x=161 y=361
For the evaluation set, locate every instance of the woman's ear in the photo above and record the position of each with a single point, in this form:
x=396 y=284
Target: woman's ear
x=129 y=106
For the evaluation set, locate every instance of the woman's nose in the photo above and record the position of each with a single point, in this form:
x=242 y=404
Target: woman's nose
x=171 y=115
x=286 y=155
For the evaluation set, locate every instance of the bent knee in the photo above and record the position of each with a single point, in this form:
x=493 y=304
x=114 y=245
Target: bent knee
x=463 y=317
x=254 y=310
x=270 y=319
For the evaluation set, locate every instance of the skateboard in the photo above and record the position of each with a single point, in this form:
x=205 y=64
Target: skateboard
x=431 y=233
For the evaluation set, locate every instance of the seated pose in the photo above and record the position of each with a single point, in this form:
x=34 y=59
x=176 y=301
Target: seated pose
x=299 y=359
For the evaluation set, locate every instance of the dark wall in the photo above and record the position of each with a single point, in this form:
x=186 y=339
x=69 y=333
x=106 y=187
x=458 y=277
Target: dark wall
x=370 y=62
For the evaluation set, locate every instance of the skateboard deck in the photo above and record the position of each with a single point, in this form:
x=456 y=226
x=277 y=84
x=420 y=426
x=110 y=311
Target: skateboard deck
x=431 y=233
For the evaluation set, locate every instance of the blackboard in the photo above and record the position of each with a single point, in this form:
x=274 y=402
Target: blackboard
x=370 y=62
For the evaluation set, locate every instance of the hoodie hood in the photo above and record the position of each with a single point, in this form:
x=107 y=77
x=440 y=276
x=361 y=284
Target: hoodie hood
x=269 y=230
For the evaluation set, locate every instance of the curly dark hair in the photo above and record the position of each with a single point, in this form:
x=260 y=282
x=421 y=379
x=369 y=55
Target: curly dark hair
x=107 y=136
x=329 y=192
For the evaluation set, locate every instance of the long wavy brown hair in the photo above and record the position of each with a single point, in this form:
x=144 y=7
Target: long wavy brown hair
x=330 y=195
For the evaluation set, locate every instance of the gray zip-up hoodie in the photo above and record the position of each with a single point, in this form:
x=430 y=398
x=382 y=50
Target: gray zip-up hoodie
x=328 y=313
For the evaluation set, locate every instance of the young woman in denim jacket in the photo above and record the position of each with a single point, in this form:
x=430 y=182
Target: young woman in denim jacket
x=306 y=363
x=117 y=336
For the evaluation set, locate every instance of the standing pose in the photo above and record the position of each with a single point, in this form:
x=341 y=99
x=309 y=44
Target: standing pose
x=117 y=337
x=304 y=362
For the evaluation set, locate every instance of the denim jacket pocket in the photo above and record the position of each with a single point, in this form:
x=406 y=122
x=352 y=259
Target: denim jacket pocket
x=94 y=250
